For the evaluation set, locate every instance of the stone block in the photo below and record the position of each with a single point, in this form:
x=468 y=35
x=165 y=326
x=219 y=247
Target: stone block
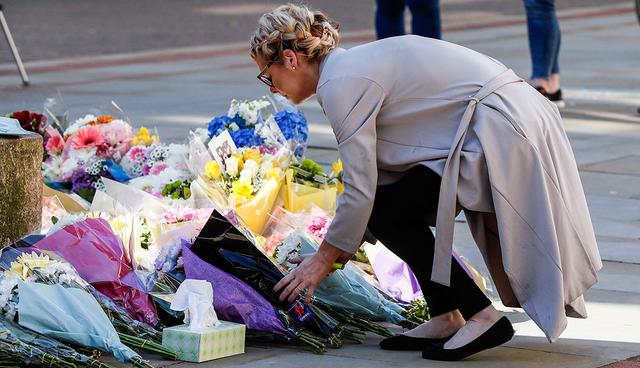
x=20 y=187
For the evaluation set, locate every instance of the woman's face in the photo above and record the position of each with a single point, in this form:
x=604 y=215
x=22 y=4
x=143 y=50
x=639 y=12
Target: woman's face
x=290 y=76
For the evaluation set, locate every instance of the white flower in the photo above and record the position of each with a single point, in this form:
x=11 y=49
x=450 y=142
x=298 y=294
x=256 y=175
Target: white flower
x=289 y=248
x=234 y=127
x=78 y=124
x=52 y=168
x=249 y=171
x=248 y=110
x=231 y=166
x=246 y=176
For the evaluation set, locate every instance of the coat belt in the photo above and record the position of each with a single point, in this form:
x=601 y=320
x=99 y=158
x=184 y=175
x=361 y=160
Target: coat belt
x=441 y=271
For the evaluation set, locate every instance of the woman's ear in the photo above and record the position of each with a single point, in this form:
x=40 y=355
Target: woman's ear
x=290 y=59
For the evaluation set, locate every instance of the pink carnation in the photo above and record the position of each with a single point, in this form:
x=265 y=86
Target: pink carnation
x=319 y=226
x=54 y=145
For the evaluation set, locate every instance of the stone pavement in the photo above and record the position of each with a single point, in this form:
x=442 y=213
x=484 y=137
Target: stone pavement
x=178 y=89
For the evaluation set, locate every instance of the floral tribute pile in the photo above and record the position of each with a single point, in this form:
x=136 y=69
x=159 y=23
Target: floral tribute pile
x=127 y=218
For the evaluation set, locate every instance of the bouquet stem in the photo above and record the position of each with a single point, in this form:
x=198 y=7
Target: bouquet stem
x=140 y=363
x=350 y=318
x=148 y=345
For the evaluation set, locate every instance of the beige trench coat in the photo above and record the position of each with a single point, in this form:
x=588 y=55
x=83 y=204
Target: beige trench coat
x=499 y=146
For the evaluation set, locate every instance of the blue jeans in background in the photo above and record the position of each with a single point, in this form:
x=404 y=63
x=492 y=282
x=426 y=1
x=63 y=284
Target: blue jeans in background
x=425 y=18
x=544 y=37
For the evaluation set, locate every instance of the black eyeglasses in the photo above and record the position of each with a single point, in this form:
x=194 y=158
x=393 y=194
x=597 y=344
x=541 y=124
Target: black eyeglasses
x=263 y=78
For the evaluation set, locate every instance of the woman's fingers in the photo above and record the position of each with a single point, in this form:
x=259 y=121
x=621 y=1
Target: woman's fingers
x=309 y=295
x=296 y=292
x=283 y=282
x=290 y=288
x=297 y=260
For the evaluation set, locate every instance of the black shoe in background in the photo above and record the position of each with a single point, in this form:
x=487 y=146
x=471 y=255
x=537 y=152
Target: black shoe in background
x=555 y=97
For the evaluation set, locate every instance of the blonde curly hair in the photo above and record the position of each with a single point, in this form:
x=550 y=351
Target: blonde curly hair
x=297 y=28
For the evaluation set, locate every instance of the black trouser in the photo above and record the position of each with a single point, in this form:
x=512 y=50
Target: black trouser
x=402 y=214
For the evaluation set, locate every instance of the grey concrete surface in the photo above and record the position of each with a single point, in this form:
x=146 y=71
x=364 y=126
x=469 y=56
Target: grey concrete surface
x=181 y=88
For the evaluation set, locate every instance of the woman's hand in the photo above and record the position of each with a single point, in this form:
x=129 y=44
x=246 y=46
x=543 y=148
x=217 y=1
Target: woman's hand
x=312 y=269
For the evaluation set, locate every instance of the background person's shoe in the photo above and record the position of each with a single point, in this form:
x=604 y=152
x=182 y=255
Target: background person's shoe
x=409 y=343
x=498 y=334
x=555 y=97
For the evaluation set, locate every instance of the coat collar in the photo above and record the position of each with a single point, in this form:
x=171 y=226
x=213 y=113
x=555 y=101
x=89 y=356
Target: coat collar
x=326 y=59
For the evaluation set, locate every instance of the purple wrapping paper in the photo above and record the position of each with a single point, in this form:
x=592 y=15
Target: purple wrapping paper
x=233 y=300
x=396 y=277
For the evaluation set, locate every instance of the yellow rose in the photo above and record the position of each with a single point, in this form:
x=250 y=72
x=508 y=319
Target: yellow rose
x=212 y=170
x=241 y=190
x=340 y=187
x=252 y=154
x=336 y=167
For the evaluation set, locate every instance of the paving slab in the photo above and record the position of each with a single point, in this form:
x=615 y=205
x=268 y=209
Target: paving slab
x=179 y=89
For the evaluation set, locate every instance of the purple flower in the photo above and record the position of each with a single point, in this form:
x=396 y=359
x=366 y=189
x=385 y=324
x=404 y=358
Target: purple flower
x=81 y=180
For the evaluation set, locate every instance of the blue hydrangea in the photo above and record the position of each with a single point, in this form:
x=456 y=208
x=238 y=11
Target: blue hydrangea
x=220 y=123
x=293 y=125
x=217 y=125
x=239 y=121
x=246 y=138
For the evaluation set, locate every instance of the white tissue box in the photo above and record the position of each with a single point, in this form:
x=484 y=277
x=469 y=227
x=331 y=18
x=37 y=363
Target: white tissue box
x=206 y=343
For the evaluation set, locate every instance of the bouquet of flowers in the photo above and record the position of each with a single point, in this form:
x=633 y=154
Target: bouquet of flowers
x=224 y=244
x=248 y=127
x=307 y=184
x=89 y=149
x=24 y=345
x=31 y=121
x=34 y=268
x=99 y=258
x=159 y=169
x=238 y=302
x=246 y=182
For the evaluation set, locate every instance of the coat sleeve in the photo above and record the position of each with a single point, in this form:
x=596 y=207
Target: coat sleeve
x=351 y=105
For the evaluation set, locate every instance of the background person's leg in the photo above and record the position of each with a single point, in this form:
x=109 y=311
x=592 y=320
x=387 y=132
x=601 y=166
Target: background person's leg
x=400 y=220
x=389 y=18
x=544 y=39
x=425 y=18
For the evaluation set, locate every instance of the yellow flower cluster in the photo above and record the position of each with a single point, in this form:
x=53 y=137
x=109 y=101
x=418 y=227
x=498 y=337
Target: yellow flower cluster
x=144 y=138
x=252 y=154
x=27 y=262
x=241 y=191
x=212 y=170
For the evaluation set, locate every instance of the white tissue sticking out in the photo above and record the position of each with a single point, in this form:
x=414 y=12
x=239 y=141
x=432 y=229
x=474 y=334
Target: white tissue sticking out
x=195 y=298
